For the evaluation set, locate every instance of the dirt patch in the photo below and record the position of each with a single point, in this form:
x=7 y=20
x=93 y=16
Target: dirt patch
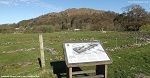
x=141 y=76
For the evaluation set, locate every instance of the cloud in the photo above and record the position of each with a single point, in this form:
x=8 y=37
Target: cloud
x=138 y=1
x=38 y=3
x=5 y=2
x=15 y=2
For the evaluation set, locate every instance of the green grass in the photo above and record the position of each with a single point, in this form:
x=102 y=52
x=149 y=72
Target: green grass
x=145 y=28
x=15 y=56
x=128 y=62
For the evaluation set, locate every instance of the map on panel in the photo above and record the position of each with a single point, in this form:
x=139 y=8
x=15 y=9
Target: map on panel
x=85 y=52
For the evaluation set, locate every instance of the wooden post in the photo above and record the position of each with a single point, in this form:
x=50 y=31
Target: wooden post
x=106 y=67
x=136 y=40
x=42 y=51
x=70 y=72
x=102 y=29
x=116 y=43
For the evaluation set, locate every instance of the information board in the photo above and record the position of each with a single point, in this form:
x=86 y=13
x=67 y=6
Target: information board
x=85 y=52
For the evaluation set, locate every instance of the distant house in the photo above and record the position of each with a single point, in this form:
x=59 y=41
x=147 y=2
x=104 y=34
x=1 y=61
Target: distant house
x=17 y=28
x=77 y=29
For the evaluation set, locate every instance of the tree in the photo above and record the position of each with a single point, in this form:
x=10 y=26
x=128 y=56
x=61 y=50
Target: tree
x=132 y=18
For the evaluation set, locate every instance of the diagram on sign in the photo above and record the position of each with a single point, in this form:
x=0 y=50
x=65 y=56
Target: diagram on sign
x=84 y=48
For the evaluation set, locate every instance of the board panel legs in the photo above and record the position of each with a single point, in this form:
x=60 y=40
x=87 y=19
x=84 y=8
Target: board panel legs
x=69 y=72
x=106 y=67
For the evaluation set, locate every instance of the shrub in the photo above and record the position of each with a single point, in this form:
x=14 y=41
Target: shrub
x=43 y=29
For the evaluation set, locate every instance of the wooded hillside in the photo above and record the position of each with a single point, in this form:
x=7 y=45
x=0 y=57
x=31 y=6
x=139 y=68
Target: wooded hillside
x=84 y=19
x=74 y=19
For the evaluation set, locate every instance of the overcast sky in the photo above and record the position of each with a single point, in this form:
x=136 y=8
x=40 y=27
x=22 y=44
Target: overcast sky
x=13 y=11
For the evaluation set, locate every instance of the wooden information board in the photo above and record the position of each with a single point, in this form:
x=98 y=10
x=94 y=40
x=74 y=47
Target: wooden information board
x=84 y=54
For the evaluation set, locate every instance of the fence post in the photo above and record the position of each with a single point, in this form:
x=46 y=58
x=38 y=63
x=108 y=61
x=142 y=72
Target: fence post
x=42 y=51
x=116 y=43
x=136 y=40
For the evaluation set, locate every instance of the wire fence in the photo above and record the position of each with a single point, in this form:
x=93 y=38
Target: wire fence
x=54 y=43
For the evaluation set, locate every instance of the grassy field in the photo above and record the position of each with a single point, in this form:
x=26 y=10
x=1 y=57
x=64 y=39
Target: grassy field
x=19 y=53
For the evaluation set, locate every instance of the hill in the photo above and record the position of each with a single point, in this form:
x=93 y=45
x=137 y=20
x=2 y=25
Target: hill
x=82 y=18
x=132 y=19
